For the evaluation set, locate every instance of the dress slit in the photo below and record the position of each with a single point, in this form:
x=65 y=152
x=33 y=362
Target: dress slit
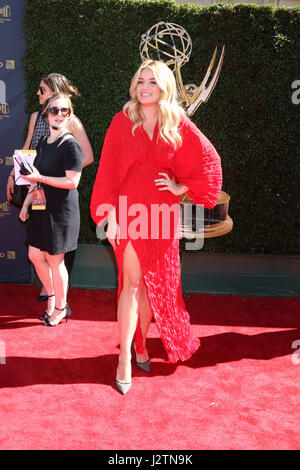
x=138 y=337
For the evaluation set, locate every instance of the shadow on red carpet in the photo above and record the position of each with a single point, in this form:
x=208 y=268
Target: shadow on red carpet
x=240 y=390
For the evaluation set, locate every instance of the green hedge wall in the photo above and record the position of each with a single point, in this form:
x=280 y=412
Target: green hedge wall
x=250 y=116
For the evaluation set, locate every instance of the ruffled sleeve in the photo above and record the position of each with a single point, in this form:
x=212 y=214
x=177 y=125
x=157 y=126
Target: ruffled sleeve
x=109 y=175
x=197 y=165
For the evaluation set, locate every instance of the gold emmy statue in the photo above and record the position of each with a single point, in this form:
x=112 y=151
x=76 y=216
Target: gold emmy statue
x=172 y=44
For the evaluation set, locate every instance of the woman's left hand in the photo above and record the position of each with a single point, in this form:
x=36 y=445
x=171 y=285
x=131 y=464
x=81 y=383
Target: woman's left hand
x=168 y=184
x=34 y=177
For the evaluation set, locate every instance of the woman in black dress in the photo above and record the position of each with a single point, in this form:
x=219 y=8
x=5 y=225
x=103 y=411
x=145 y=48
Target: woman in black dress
x=38 y=127
x=53 y=231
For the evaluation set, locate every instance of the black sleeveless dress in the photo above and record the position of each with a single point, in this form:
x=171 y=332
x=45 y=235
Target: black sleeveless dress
x=56 y=229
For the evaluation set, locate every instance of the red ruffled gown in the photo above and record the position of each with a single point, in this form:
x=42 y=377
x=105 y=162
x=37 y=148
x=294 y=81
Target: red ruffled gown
x=125 y=179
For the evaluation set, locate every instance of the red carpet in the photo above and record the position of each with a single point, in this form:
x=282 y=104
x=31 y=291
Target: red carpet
x=239 y=391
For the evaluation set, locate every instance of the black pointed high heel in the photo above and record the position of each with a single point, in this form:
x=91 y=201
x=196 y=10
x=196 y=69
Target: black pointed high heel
x=46 y=315
x=47 y=322
x=145 y=366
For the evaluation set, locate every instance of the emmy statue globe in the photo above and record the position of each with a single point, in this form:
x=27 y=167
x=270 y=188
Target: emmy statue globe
x=172 y=44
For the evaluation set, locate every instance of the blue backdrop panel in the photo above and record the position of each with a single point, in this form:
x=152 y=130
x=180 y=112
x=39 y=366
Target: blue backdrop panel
x=14 y=264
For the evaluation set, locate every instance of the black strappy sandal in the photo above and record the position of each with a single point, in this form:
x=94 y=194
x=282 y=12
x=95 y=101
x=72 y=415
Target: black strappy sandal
x=66 y=316
x=46 y=315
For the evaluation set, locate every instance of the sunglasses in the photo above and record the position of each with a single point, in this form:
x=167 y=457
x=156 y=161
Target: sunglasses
x=42 y=90
x=65 y=112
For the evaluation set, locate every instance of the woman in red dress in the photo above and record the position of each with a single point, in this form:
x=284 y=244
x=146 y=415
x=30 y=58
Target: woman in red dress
x=152 y=154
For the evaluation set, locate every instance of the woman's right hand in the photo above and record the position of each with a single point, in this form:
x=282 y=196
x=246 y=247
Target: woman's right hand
x=10 y=187
x=24 y=214
x=113 y=233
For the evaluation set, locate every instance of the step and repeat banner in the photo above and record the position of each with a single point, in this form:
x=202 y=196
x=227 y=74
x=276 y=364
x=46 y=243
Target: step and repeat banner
x=14 y=264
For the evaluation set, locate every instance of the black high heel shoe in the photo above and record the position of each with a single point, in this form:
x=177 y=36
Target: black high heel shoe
x=47 y=322
x=46 y=315
x=145 y=366
x=41 y=298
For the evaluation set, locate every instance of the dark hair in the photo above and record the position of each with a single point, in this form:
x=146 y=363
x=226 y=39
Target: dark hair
x=60 y=84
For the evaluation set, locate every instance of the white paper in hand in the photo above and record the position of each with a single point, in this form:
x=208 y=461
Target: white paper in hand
x=22 y=156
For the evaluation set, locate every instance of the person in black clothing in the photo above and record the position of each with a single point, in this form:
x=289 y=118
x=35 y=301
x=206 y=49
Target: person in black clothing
x=53 y=231
x=38 y=127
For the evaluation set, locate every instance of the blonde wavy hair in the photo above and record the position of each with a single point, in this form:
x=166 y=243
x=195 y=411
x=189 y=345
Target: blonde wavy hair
x=170 y=112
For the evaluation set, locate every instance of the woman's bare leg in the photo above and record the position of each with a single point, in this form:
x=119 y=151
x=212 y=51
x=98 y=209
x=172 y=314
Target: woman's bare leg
x=39 y=260
x=128 y=308
x=43 y=291
x=60 y=280
x=43 y=270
